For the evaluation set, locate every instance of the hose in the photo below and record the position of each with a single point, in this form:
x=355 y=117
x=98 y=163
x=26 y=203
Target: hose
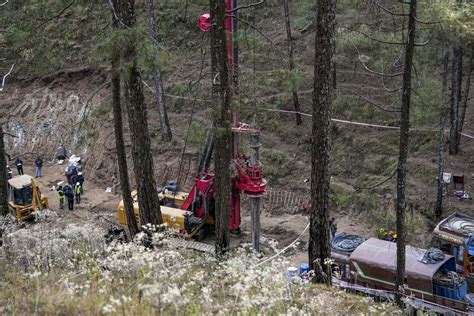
x=433 y=255
x=344 y=242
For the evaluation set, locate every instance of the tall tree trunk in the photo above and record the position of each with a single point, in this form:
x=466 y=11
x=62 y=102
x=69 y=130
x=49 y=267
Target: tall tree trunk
x=403 y=152
x=119 y=141
x=442 y=118
x=222 y=125
x=3 y=176
x=467 y=85
x=322 y=98
x=164 y=122
x=148 y=201
x=456 y=83
x=296 y=103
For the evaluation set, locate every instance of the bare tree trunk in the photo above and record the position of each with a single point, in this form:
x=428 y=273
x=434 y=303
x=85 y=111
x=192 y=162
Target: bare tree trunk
x=292 y=61
x=320 y=154
x=222 y=125
x=442 y=118
x=164 y=123
x=119 y=141
x=456 y=83
x=3 y=176
x=467 y=85
x=148 y=201
x=403 y=153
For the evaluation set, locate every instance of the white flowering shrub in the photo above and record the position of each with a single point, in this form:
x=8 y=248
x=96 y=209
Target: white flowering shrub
x=72 y=270
x=40 y=247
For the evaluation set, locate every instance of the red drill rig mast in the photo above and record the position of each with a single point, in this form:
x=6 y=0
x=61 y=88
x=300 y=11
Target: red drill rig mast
x=247 y=177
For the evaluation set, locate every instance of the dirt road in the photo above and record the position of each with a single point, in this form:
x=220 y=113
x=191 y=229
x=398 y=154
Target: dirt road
x=95 y=202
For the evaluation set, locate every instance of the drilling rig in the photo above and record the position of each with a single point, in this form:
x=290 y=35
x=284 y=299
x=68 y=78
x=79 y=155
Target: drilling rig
x=191 y=214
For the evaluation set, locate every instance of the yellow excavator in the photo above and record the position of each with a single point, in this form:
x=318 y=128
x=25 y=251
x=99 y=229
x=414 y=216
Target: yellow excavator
x=25 y=197
x=179 y=220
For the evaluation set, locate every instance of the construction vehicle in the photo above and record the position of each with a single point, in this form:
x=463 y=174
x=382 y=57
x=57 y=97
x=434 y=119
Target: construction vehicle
x=25 y=197
x=191 y=214
x=455 y=236
x=431 y=280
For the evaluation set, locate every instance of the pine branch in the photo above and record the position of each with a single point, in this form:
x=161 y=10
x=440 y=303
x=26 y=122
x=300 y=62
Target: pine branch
x=389 y=11
x=246 y=6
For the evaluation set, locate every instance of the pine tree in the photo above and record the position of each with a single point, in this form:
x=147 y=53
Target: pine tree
x=148 y=201
x=222 y=124
x=403 y=152
x=319 y=249
x=118 y=127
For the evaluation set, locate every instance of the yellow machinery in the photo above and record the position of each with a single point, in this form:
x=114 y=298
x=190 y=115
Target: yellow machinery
x=176 y=218
x=25 y=197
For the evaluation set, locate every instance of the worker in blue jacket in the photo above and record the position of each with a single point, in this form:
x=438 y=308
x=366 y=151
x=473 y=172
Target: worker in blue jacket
x=19 y=165
x=39 y=167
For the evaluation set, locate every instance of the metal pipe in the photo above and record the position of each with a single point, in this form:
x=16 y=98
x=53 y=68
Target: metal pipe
x=255 y=214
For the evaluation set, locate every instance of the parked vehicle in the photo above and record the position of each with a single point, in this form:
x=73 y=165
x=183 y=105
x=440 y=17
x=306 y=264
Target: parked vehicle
x=431 y=280
x=24 y=197
x=455 y=235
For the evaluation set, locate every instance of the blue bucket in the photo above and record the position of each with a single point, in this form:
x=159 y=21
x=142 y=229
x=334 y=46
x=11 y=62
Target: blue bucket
x=304 y=268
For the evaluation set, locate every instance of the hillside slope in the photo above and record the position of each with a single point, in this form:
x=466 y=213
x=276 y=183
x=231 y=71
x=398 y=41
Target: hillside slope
x=72 y=107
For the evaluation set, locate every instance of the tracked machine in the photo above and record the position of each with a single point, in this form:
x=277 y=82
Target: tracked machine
x=191 y=214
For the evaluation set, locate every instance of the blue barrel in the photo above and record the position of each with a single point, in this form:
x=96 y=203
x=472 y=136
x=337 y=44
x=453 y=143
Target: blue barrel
x=172 y=186
x=304 y=268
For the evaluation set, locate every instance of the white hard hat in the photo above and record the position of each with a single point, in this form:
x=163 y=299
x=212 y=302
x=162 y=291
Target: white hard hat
x=78 y=183
x=79 y=173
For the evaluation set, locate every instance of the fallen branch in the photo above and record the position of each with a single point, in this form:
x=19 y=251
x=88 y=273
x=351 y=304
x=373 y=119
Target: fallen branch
x=57 y=15
x=369 y=101
x=377 y=184
x=115 y=14
x=373 y=71
x=5 y=76
x=1 y=5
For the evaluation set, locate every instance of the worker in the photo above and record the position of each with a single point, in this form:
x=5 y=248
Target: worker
x=70 y=172
x=39 y=167
x=80 y=179
x=332 y=227
x=19 y=165
x=61 y=196
x=70 y=196
x=77 y=192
